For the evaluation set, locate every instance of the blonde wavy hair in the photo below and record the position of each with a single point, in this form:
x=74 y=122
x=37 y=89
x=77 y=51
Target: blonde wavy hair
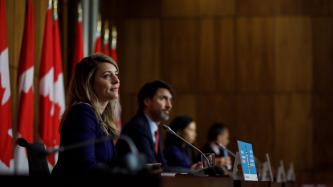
x=81 y=89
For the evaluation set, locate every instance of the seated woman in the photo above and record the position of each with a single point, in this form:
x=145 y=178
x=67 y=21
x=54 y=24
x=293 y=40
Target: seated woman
x=93 y=107
x=177 y=153
x=218 y=140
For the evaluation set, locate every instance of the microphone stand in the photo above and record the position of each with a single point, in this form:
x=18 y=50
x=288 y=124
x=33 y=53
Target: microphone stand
x=188 y=143
x=229 y=152
x=211 y=170
x=78 y=145
x=41 y=151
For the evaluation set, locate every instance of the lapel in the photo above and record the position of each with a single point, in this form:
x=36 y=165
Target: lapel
x=147 y=130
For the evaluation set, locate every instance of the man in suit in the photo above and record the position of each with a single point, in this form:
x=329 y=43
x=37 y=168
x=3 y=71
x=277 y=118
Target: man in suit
x=155 y=103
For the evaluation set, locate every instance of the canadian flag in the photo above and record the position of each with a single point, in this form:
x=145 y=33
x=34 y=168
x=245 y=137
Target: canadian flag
x=26 y=96
x=78 y=43
x=113 y=54
x=59 y=93
x=98 y=39
x=106 y=49
x=46 y=87
x=6 y=137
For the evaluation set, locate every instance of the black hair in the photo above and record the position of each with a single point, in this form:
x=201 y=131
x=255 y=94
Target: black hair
x=149 y=90
x=179 y=123
x=215 y=130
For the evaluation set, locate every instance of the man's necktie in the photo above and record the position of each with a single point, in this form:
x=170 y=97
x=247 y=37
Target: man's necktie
x=156 y=141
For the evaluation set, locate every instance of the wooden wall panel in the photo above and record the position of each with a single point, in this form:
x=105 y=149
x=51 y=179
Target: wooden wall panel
x=15 y=14
x=295 y=7
x=255 y=54
x=322 y=131
x=225 y=47
x=293 y=129
x=322 y=29
x=256 y=7
x=215 y=108
x=179 y=53
x=180 y=8
x=194 y=8
x=131 y=9
x=140 y=61
x=255 y=121
x=293 y=54
x=322 y=8
x=217 y=7
x=129 y=106
x=184 y=104
x=129 y=42
x=150 y=50
x=207 y=56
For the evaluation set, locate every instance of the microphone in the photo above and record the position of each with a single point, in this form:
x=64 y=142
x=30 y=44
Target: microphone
x=36 y=149
x=78 y=145
x=40 y=150
x=229 y=152
x=188 y=143
x=130 y=143
x=133 y=161
x=37 y=154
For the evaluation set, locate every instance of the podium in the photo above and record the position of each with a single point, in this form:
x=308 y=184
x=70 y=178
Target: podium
x=195 y=181
x=130 y=180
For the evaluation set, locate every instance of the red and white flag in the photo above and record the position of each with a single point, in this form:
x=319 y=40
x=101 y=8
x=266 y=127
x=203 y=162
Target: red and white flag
x=106 y=49
x=98 y=39
x=26 y=94
x=46 y=84
x=59 y=92
x=6 y=136
x=78 y=43
x=113 y=52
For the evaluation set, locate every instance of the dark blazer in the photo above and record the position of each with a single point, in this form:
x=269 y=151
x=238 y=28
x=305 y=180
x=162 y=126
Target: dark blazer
x=138 y=130
x=79 y=126
x=208 y=149
x=177 y=156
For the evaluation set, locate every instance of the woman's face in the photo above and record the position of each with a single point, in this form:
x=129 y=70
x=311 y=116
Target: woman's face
x=223 y=138
x=106 y=85
x=190 y=132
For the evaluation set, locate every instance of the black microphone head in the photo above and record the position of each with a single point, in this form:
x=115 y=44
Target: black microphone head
x=130 y=143
x=22 y=142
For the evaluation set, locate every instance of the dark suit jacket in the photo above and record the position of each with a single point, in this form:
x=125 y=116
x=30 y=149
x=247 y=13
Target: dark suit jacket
x=79 y=126
x=177 y=157
x=138 y=130
x=208 y=149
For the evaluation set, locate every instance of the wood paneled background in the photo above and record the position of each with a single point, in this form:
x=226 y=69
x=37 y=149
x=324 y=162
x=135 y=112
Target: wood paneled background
x=263 y=67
